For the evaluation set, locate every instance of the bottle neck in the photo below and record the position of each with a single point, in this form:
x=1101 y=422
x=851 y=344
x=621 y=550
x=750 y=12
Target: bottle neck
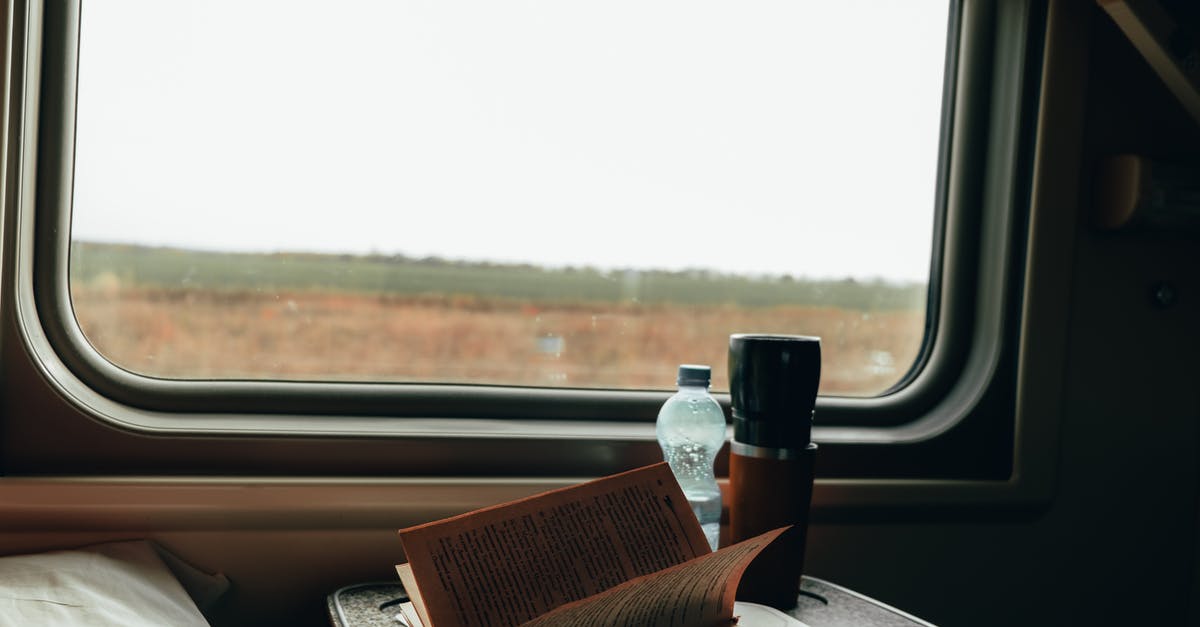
x=694 y=389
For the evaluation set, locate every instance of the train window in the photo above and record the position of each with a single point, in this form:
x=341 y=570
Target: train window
x=543 y=194
x=430 y=238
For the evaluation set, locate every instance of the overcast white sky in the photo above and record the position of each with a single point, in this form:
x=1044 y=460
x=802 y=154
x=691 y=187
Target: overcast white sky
x=754 y=136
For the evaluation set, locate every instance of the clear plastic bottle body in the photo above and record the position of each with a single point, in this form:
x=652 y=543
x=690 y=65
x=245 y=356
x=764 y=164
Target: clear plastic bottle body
x=691 y=430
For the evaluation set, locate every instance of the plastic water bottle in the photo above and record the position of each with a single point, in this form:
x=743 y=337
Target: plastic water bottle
x=691 y=429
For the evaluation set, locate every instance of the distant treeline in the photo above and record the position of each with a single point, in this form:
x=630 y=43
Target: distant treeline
x=146 y=266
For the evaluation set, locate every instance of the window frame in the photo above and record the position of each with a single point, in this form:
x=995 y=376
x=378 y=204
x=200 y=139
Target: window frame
x=959 y=392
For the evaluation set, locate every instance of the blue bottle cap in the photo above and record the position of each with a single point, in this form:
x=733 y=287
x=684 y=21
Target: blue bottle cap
x=694 y=374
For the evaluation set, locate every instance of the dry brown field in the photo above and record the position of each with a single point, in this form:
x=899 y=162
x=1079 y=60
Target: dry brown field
x=309 y=335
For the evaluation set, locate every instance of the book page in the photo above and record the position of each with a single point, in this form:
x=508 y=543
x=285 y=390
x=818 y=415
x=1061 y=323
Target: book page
x=414 y=594
x=409 y=612
x=510 y=563
x=699 y=593
x=755 y=615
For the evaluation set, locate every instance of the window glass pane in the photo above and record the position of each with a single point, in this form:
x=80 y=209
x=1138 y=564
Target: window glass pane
x=537 y=192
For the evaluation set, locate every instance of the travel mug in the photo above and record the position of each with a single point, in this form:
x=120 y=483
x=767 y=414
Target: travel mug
x=773 y=387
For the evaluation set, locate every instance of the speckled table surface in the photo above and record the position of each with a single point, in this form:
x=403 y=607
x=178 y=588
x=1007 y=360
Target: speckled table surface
x=366 y=605
x=821 y=604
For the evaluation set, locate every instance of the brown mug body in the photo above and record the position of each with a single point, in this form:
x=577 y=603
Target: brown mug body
x=767 y=493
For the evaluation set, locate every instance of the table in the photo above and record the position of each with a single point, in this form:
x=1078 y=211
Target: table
x=821 y=604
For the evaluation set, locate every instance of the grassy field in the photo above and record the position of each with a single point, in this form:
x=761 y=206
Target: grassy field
x=175 y=313
x=188 y=269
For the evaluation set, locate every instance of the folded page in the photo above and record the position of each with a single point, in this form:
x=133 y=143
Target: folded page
x=698 y=593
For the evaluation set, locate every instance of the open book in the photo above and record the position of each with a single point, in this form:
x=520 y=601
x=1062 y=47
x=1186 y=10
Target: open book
x=622 y=550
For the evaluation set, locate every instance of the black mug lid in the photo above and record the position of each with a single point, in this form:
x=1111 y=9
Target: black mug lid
x=773 y=383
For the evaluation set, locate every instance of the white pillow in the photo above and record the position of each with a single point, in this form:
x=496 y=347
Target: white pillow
x=121 y=584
